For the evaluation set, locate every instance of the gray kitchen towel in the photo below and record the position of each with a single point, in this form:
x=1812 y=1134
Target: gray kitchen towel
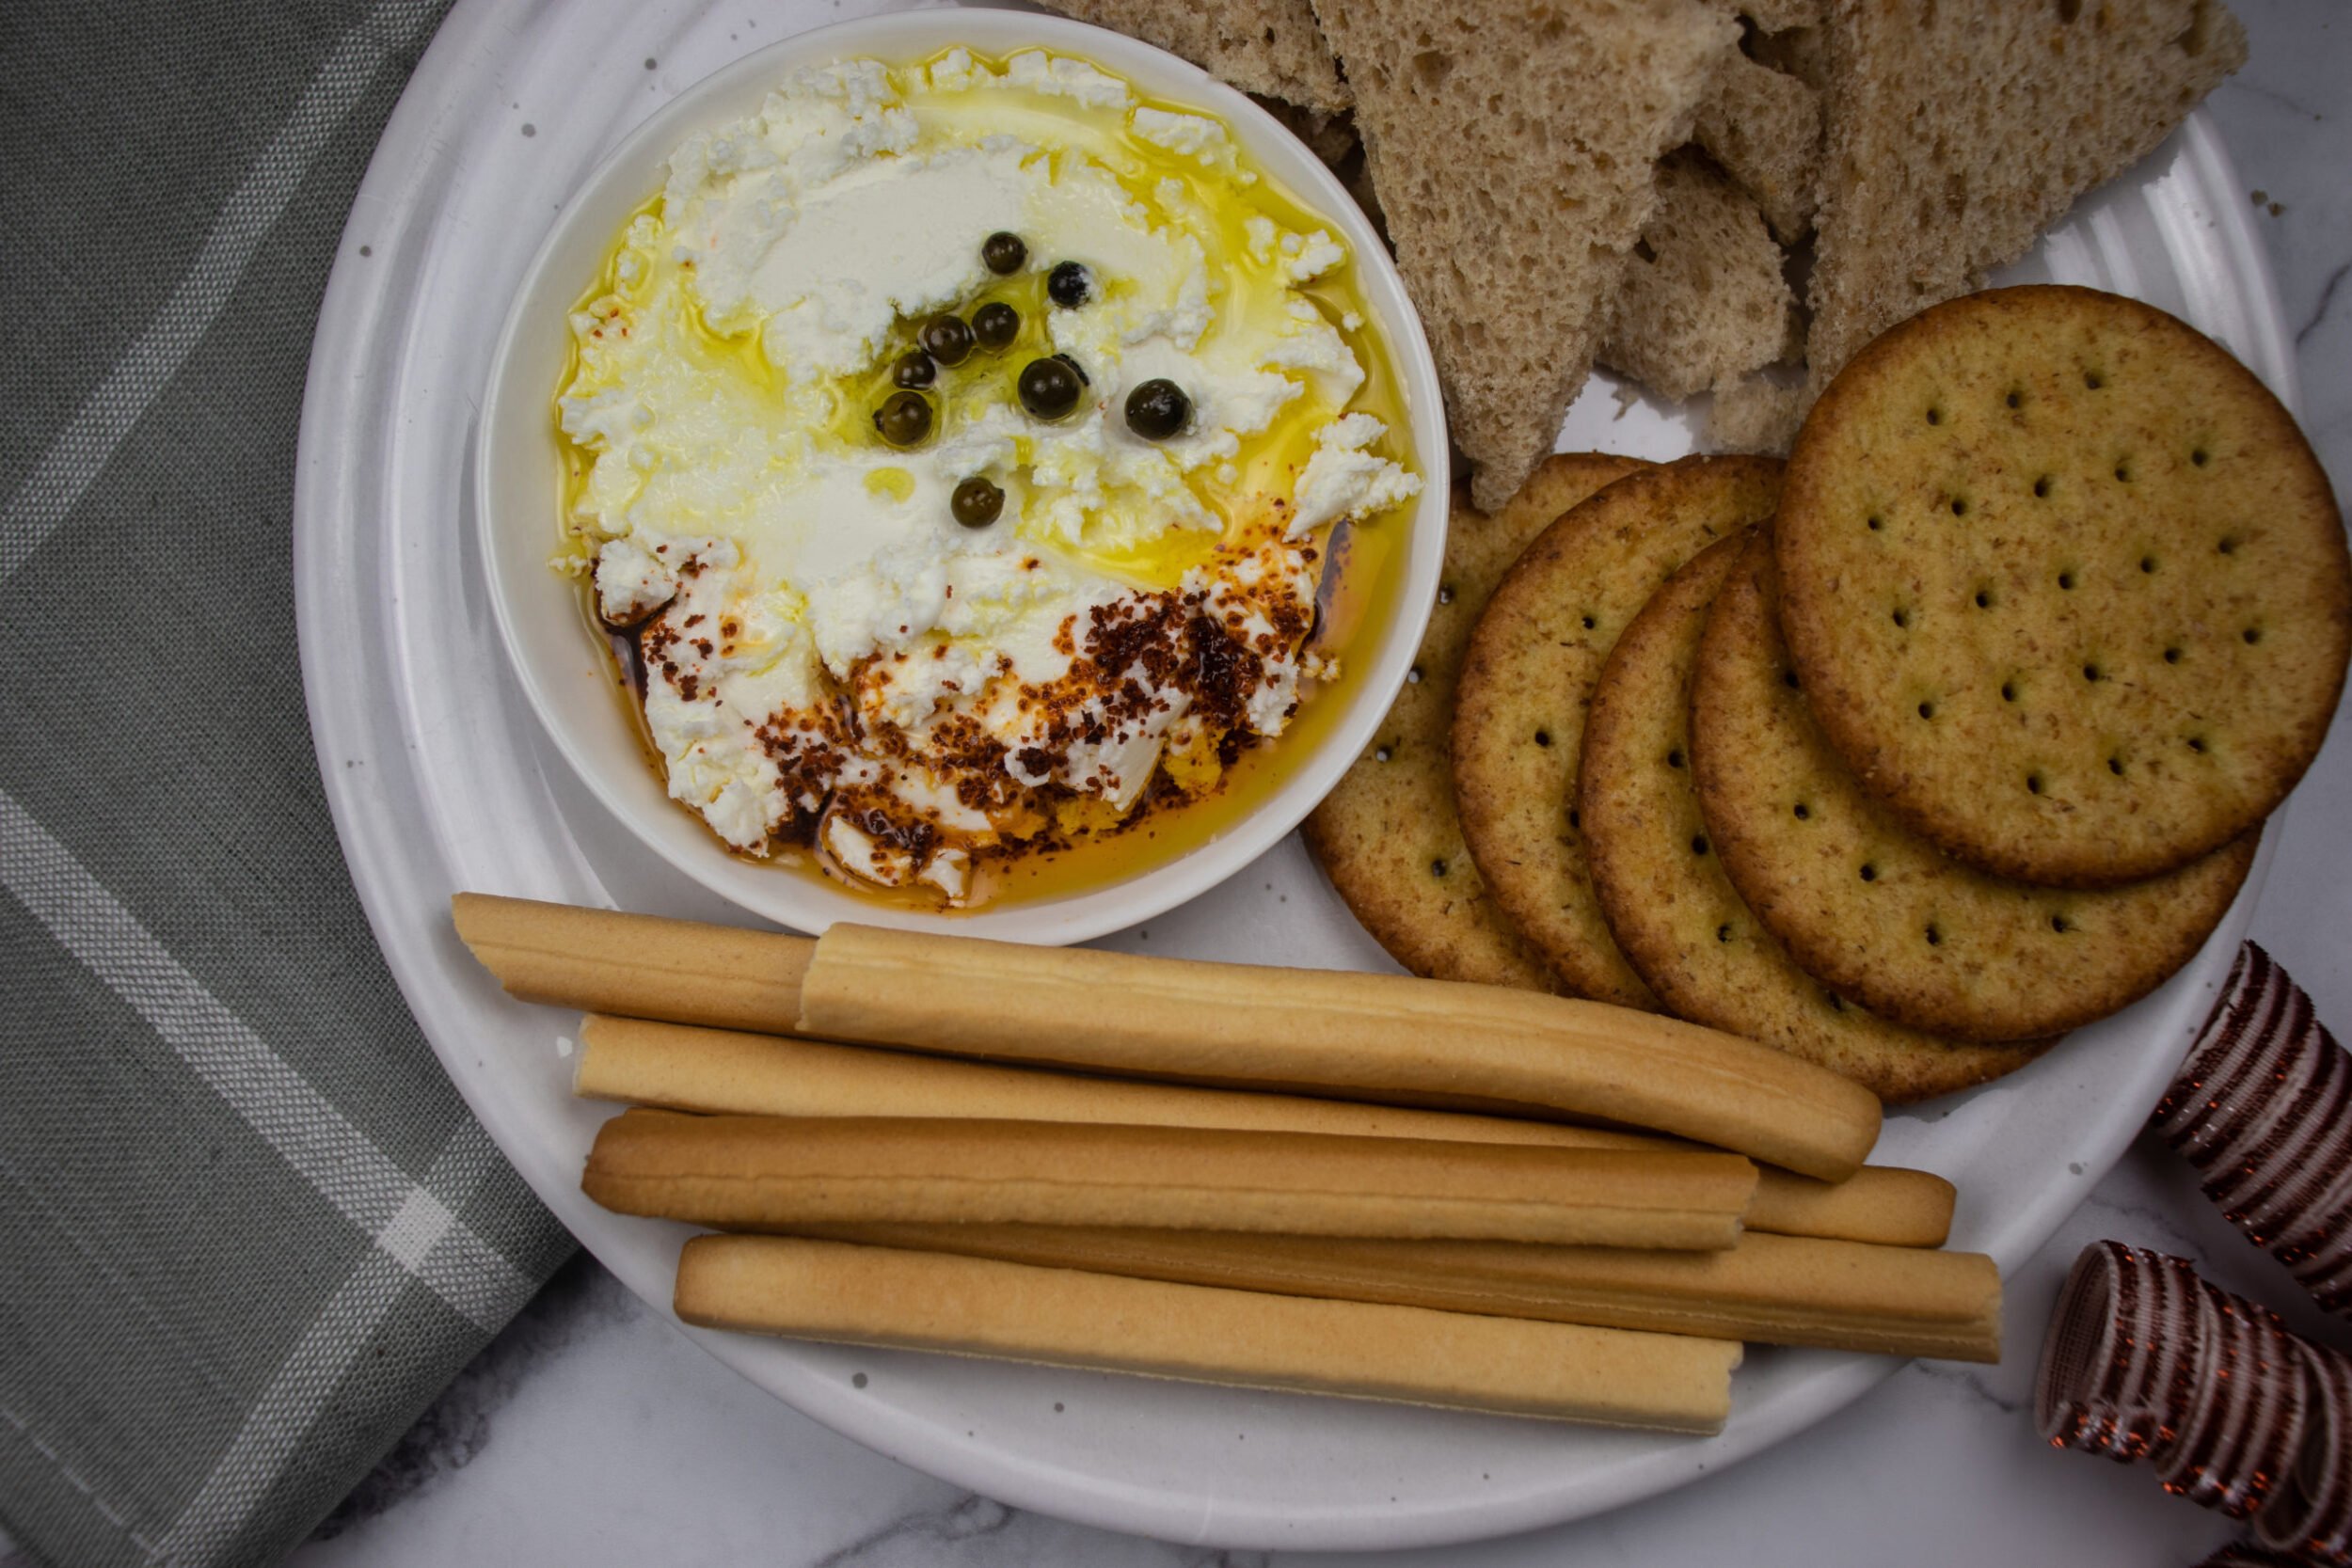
x=248 y=1229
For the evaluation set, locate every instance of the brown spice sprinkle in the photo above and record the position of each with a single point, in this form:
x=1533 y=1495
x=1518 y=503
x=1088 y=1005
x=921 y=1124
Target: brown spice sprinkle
x=1131 y=662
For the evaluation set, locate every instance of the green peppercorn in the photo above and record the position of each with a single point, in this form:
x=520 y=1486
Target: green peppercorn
x=996 y=324
x=945 y=338
x=977 y=502
x=913 y=369
x=904 y=418
x=1158 y=409
x=1003 y=253
x=1069 y=285
x=1050 y=388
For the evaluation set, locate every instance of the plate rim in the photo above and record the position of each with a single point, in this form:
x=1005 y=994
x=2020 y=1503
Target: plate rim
x=418 y=952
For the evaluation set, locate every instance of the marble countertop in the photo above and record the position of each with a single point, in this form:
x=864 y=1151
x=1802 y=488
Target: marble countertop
x=591 y=1433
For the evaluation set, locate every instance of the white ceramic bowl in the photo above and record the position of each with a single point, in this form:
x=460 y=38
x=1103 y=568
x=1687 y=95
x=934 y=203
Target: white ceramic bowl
x=568 y=676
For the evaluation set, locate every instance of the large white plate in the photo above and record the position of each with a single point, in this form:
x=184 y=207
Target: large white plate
x=440 y=780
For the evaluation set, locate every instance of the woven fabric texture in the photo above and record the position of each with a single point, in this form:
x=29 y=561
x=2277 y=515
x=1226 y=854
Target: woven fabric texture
x=247 y=1229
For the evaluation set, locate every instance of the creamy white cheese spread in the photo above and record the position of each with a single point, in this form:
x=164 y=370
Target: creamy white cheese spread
x=839 y=651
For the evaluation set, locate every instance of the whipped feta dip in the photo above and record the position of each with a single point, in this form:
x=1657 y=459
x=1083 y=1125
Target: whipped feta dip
x=961 y=444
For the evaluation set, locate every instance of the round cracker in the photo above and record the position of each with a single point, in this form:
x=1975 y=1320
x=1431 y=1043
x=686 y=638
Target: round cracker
x=1518 y=724
x=2067 y=588
x=1672 y=909
x=1387 y=835
x=1876 y=910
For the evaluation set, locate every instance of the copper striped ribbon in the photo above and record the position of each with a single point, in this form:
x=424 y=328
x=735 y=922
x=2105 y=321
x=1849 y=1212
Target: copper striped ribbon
x=2146 y=1360
x=2262 y=1108
x=2251 y=1554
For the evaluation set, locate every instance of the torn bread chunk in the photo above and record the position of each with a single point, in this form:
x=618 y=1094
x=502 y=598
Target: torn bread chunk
x=1703 y=302
x=1953 y=135
x=1272 y=47
x=1764 y=126
x=1513 y=151
x=1758 y=414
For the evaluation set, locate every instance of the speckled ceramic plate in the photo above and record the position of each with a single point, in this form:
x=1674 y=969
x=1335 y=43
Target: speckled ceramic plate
x=440 y=780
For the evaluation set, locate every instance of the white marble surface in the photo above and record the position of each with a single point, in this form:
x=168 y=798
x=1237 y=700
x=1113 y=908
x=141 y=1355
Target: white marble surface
x=592 y=1434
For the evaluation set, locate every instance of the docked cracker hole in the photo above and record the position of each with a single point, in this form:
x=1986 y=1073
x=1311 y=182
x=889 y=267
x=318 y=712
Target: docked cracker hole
x=1869 y=872
x=1802 y=812
x=1698 y=844
x=1543 y=737
x=1722 y=933
x=1412 y=676
x=2199 y=457
x=1960 y=507
x=2042 y=488
x=1674 y=758
x=2253 y=635
x=1935 y=938
x=1927 y=710
x=1437 y=868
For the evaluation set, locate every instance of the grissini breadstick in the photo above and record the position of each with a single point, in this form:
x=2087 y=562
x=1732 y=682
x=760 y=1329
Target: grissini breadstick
x=726 y=1071
x=1878 y=1205
x=1065 y=1317
x=1768 y=1289
x=603 y=960
x=1358 y=1037
x=774 y=1173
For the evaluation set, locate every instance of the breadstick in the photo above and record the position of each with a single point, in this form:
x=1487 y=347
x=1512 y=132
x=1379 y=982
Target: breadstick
x=1768 y=1289
x=683 y=1069
x=774 y=1173
x=1384 y=1037
x=1878 y=1205
x=1061 y=1317
x=602 y=961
